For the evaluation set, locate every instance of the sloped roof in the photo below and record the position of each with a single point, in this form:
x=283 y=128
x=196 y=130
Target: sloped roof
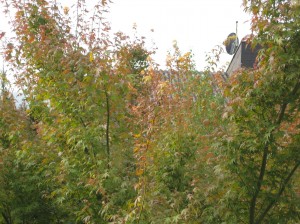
x=244 y=57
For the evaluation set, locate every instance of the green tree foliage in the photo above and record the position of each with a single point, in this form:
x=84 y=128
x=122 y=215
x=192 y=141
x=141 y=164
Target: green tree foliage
x=77 y=99
x=260 y=149
x=23 y=196
x=108 y=137
x=173 y=147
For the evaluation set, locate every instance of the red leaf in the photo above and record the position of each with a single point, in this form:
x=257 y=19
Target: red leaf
x=2 y=35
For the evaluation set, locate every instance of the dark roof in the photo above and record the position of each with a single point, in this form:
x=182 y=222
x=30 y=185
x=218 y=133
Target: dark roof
x=249 y=55
x=244 y=57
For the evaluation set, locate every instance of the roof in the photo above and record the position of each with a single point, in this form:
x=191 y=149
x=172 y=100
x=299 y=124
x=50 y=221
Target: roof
x=244 y=57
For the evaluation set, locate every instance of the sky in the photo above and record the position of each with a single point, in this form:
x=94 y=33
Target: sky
x=196 y=25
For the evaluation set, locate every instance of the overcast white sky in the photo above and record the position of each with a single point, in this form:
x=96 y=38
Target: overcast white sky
x=196 y=25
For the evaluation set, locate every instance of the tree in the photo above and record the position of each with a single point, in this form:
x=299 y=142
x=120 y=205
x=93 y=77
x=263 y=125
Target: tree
x=108 y=137
x=260 y=149
x=77 y=86
x=23 y=197
x=173 y=147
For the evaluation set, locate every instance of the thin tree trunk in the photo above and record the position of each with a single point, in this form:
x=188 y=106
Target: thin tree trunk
x=262 y=216
x=107 y=124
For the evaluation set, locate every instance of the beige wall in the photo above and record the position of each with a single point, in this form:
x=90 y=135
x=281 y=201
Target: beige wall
x=235 y=62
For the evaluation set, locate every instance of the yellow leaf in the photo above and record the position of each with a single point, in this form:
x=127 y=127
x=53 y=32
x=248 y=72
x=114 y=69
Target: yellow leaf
x=66 y=10
x=91 y=57
x=137 y=135
x=147 y=78
x=139 y=172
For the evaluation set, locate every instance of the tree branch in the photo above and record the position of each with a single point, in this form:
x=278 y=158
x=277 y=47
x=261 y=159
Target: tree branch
x=284 y=105
x=107 y=123
x=264 y=160
x=259 y=183
x=6 y=214
x=261 y=217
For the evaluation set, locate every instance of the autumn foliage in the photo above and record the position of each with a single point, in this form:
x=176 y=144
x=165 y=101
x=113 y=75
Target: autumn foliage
x=106 y=136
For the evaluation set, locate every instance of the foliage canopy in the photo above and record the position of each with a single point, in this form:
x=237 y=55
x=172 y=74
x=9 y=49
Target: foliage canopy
x=105 y=136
